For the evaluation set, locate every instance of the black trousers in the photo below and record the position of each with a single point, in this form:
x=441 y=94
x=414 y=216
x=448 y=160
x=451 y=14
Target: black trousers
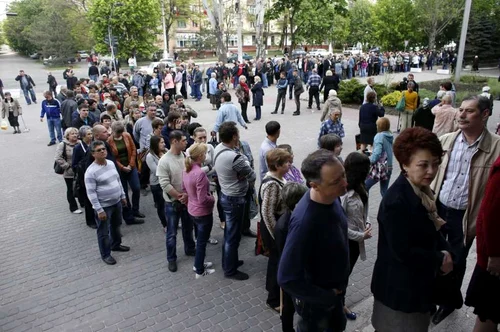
x=297 y=102
x=69 y=194
x=280 y=98
x=353 y=254
x=244 y=107
x=89 y=211
x=314 y=92
x=287 y=312
x=272 y=287
x=144 y=175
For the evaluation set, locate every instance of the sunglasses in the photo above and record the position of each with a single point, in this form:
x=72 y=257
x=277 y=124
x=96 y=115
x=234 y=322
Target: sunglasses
x=100 y=150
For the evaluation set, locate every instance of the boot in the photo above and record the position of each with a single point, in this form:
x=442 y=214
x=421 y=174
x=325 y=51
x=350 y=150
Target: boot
x=275 y=112
x=296 y=113
x=18 y=130
x=282 y=111
x=15 y=131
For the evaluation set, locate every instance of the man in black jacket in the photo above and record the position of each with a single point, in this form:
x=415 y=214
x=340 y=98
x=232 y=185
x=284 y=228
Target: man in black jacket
x=51 y=80
x=71 y=80
x=94 y=73
x=68 y=106
x=27 y=84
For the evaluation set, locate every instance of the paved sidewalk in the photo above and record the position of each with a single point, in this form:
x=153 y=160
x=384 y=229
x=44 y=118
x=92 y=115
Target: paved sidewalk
x=51 y=276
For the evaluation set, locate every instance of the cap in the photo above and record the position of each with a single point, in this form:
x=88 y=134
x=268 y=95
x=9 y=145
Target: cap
x=440 y=94
x=486 y=89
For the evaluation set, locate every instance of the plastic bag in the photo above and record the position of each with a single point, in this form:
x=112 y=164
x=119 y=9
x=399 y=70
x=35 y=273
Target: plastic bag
x=4 y=125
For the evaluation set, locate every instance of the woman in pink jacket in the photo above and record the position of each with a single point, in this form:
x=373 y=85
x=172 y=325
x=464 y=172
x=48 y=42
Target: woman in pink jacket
x=168 y=82
x=200 y=204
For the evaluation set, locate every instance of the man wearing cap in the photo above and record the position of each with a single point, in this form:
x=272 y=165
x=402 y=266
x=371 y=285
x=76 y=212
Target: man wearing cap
x=486 y=93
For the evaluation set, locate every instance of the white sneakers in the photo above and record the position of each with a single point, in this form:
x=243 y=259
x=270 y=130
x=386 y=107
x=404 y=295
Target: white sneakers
x=207 y=265
x=78 y=211
x=205 y=273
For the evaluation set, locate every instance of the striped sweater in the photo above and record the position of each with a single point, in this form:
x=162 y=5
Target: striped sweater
x=103 y=185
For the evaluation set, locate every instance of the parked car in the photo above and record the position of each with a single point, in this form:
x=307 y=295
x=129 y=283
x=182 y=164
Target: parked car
x=35 y=56
x=298 y=52
x=234 y=57
x=169 y=62
x=149 y=68
x=319 y=52
x=51 y=60
x=83 y=54
x=352 y=51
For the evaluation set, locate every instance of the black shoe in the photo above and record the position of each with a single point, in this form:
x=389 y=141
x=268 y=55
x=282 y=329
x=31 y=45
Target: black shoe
x=135 y=221
x=109 y=260
x=34 y=101
x=172 y=266
x=282 y=111
x=247 y=121
x=94 y=226
x=51 y=143
x=139 y=215
x=319 y=109
x=249 y=233
x=441 y=314
x=255 y=119
x=240 y=263
x=309 y=107
x=121 y=248
x=296 y=113
x=275 y=112
x=238 y=276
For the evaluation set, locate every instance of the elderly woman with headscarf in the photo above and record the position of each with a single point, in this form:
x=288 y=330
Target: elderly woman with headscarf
x=333 y=103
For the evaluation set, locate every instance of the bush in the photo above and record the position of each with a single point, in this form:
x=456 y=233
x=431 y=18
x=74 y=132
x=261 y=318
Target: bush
x=391 y=99
x=351 y=91
x=424 y=93
x=380 y=89
x=473 y=79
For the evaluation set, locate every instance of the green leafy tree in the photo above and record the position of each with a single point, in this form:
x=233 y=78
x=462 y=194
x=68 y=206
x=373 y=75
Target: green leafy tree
x=394 y=22
x=435 y=16
x=360 y=23
x=16 y=28
x=2 y=36
x=205 y=40
x=135 y=24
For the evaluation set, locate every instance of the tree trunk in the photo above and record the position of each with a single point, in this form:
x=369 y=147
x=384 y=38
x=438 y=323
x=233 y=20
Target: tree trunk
x=292 y=31
x=432 y=40
x=259 y=28
x=216 y=19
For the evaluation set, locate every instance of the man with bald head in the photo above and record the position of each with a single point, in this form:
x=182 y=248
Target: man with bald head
x=445 y=115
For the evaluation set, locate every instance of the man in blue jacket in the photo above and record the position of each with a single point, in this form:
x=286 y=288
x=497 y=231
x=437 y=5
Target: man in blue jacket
x=314 y=265
x=52 y=108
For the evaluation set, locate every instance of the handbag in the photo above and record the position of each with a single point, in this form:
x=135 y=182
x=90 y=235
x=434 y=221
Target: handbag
x=400 y=106
x=380 y=170
x=58 y=168
x=213 y=142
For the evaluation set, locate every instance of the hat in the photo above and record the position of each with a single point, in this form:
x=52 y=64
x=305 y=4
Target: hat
x=440 y=94
x=426 y=102
x=332 y=93
x=104 y=75
x=486 y=89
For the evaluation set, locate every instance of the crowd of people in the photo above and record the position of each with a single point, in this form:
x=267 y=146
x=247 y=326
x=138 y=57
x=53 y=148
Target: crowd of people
x=115 y=140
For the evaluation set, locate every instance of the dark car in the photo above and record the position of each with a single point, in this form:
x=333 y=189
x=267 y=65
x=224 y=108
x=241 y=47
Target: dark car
x=234 y=57
x=299 y=51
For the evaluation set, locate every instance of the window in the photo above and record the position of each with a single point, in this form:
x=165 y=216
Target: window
x=272 y=40
x=252 y=10
x=254 y=40
x=252 y=24
x=186 y=40
x=181 y=24
x=233 y=41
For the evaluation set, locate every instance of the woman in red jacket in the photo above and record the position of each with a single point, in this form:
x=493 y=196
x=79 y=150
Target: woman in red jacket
x=484 y=288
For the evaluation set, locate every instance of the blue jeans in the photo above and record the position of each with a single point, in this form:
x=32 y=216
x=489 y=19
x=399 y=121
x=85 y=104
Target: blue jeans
x=174 y=211
x=196 y=91
x=265 y=83
x=204 y=227
x=27 y=94
x=94 y=78
x=131 y=178
x=236 y=81
x=108 y=231
x=384 y=185
x=160 y=203
x=55 y=124
x=234 y=208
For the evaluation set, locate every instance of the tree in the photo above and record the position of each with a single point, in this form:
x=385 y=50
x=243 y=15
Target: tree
x=360 y=23
x=205 y=40
x=16 y=27
x=434 y=16
x=174 y=11
x=135 y=25
x=215 y=13
x=393 y=23
x=2 y=36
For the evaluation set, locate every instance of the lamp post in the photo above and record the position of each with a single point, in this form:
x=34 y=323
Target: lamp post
x=110 y=34
x=463 y=37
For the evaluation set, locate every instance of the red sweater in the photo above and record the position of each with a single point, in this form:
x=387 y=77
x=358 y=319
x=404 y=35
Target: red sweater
x=488 y=220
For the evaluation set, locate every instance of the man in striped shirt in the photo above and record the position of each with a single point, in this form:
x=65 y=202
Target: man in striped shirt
x=313 y=87
x=105 y=192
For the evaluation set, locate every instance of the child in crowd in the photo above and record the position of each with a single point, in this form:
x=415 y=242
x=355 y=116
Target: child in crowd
x=282 y=86
x=332 y=143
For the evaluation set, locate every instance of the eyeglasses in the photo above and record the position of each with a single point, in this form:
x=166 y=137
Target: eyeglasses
x=100 y=150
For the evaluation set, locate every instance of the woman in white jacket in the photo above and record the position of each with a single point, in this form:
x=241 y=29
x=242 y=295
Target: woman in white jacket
x=355 y=204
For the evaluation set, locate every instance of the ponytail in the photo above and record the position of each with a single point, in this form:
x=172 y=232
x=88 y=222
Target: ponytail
x=195 y=152
x=189 y=163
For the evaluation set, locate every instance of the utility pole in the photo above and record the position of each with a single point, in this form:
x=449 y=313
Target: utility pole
x=259 y=8
x=240 y=35
x=463 y=37
x=165 y=46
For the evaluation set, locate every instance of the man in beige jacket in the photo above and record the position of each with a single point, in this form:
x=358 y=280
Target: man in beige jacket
x=459 y=185
x=445 y=117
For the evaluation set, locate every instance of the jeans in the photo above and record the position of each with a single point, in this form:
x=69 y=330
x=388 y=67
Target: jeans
x=258 y=111
x=27 y=94
x=159 y=202
x=54 y=124
x=69 y=194
x=175 y=211
x=384 y=185
x=306 y=77
x=204 y=226
x=453 y=232
x=281 y=98
x=265 y=83
x=196 y=91
x=131 y=178
x=108 y=231
x=94 y=78
x=290 y=90
x=234 y=208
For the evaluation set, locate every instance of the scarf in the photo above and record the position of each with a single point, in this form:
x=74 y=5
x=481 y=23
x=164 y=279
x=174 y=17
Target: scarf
x=245 y=88
x=428 y=201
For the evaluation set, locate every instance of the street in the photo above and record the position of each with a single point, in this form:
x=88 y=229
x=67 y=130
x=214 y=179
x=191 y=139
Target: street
x=51 y=274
